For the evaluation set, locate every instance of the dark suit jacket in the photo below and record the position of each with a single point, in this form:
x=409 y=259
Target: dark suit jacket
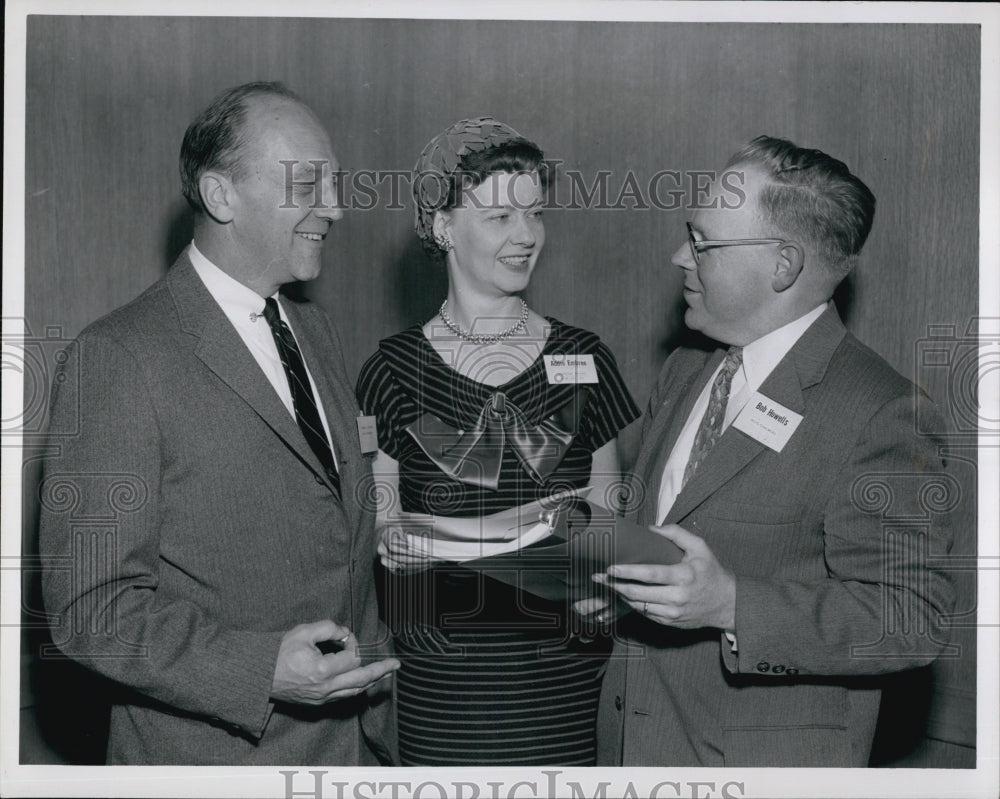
x=829 y=542
x=188 y=525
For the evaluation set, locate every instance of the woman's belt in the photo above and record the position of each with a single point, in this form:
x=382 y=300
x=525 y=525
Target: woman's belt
x=461 y=538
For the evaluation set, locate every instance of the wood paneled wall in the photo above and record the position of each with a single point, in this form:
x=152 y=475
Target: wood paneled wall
x=108 y=99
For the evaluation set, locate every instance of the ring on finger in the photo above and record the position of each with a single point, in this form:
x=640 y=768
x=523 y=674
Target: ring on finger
x=645 y=607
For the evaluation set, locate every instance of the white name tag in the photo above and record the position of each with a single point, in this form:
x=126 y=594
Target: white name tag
x=767 y=421
x=367 y=434
x=568 y=368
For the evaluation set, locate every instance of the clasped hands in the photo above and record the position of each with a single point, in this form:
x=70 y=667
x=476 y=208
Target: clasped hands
x=696 y=592
x=304 y=675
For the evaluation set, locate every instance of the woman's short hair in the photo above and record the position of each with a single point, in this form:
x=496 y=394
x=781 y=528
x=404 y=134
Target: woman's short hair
x=516 y=155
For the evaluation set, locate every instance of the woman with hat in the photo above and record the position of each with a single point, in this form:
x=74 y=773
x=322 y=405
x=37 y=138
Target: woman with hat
x=484 y=409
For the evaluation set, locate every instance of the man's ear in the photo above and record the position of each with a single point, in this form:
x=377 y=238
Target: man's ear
x=218 y=196
x=788 y=266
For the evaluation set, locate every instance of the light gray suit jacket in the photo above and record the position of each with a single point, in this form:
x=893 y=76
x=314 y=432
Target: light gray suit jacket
x=830 y=541
x=188 y=525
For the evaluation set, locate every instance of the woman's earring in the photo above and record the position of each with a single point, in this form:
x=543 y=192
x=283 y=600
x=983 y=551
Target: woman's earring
x=443 y=243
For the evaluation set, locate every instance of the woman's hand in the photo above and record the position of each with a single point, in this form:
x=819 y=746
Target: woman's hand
x=399 y=555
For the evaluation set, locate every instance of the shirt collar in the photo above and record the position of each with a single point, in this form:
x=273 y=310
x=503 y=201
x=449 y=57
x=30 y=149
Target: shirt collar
x=761 y=356
x=233 y=297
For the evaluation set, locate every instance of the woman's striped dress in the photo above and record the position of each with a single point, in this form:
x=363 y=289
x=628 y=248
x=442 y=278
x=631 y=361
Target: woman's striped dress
x=490 y=675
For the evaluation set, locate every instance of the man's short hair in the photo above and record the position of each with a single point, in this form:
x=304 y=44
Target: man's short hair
x=216 y=140
x=812 y=195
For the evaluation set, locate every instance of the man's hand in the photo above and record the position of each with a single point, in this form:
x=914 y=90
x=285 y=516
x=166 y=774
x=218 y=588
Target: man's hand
x=697 y=592
x=305 y=676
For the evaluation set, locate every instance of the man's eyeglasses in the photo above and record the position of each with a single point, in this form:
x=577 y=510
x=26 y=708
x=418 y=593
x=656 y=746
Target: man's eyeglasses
x=698 y=247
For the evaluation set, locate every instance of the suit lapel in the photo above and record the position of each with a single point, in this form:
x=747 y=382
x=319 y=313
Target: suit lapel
x=802 y=367
x=222 y=350
x=732 y=452
x=669 y=421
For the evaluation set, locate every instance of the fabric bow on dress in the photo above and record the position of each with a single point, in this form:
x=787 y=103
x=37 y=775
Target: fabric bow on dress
x=474 y=456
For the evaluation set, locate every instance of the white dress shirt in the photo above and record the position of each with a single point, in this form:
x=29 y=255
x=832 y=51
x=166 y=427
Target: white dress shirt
x=244 y=308
x=759 y=359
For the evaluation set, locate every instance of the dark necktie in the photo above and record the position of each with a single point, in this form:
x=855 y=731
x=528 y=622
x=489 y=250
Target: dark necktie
x=711 y=423
x=306 y=411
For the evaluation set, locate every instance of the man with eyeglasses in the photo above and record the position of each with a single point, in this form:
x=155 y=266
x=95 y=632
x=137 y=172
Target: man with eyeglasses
x=764 y=644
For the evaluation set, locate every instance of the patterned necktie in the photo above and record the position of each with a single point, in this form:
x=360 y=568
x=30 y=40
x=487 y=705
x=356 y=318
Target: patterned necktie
x=306 y=412
x=711 y=423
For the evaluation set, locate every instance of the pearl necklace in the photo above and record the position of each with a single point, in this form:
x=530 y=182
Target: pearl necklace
x=477 y=338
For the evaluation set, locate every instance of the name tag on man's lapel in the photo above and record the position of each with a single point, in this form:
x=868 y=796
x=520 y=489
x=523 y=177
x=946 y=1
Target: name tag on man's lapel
x=367 y=434
x=562 y=367
x=767 y=421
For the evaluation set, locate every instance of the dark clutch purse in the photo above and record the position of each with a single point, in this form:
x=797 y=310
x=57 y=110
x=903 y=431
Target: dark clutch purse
x=586 y=539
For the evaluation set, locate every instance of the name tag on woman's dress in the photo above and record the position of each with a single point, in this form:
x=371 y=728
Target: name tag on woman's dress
x=564 y=367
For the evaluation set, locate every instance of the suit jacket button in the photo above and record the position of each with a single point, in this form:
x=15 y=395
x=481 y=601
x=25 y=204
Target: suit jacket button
x=618 y=703
x=763 y=667
x=790 y=670
x=778 y=669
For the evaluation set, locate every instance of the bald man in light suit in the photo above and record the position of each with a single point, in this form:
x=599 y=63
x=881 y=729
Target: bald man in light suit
x=233 y=598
